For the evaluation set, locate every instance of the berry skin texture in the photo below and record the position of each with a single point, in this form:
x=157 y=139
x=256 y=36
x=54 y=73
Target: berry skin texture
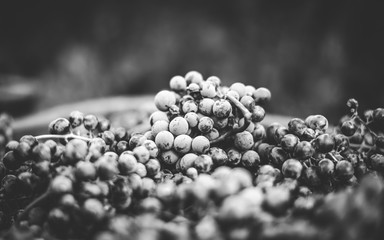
x=234 y=157
x=59 y=126
x=208 y=90
x=304 y=150
x=348 y=128
x=178 y=83
x=142 y=154
x=292 y=168
x=178 y=126
x=206 y=106
x=90 y=122
x=289 y=142
x=243 y=140
x=164 y=99
x=250 y=159
x=127 y=163
x=152 y=148
x=326 y=168
x=324 y=143
x=221 y=108
x=262 y=95
x=182 y=143
x=258 y=113
x=76 y=118
x=187 y=161
x=297 y=126
x=193 y=77
x=75 y=150
x=203 y=163
x=169 y=157
x=164 y=140
x=239 y=88
x=344 y=170
x=192 y=119
x=200 y=144
x=157 y=116
x=159 y=126
x=218 y=155
x=205 y=124
x=189 y=106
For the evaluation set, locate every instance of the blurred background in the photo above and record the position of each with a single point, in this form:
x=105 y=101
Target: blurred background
x=312 y=55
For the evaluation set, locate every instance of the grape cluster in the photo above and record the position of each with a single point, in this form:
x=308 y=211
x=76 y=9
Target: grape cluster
x=207 y=168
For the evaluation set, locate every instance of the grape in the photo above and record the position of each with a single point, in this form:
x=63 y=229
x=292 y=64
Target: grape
x=243 y=140
x=85 y=171
x=141 y=170
x=206 y=106
x=208 y=89
x=292 y=168
x=103 y=124
x=317 y=122
x=218 y=155
x=220 y=123
x=178 y=83
x=200 y=144
x=280 y=132
x=164 y=99
x=164 y=140
x=142 y=154
x=189 y=106
x=193 y=77
x=159 y=126
x=303 y=150
x=324 y=143
x=262 y=95
x=203 y=163
x=10 y=161
x=277 y=156
x=213 y=134
x=192 y=119
x=248 y=102
x=153 y=167
x=152 y=148
x=90 y=122
x=169 y=157
x=76 y=118
x=250 y=159
x=59 y=126
x=234 y=157
x=157 y=116
x=344 y=170
x=193 y=88
x=377 y=162
x=183 y=143
x=289 y=142
x=326 y=168
x=214 y=80
x=239 y=88
x=258 y=113
x=348 y=128
x=127 y=163
x=259 y=132
x=205 y=124
x=187 y=161
x=178 y=126
x=75 y=150
x=221 y=108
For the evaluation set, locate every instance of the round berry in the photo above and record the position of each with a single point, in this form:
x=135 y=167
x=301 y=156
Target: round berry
x=234 y=157
x=248 y=102
x=127 y=163
x=164 y=99
x=205 y=124
x=85 y=171
x=59 y=126
x=187 y=161
x=141 y=170
x=90 y=122
x=208 y=89
x=141 y=153
x=239 y=88
x=297 y=126
x=203 y=163
x=292 y=168
x=214 y=80
x=250 y=159
x=326 y=168
x=153 y=167
x=344 y=170
x=243 y=140
x=324 y=143
x=222 y=108
x=304 y=150
x=178 y=83
x=212 y=135
x=189 y=106
x=289 y=142
x=157 y=116
x=234 y=94
x=262 y=95
x=194 y=77
x=10 y=161
x=192 y=119
x=75 y=150
x=259 y=132
x=169 y=157
x=206 y=106
x=178 y=126
x=152 y=148
x=164 y=140
x=348 y=128
x=200 y=144
x=182 y=143
x=218 y=155
x=159 y=126
x=258 y=113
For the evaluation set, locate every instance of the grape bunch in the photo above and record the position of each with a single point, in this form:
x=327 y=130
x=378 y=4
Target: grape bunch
x=208 y=168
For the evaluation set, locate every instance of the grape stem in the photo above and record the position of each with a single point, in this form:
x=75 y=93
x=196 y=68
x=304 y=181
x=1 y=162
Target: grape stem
x=247 y=120
x=66 y=137
x=39 y=200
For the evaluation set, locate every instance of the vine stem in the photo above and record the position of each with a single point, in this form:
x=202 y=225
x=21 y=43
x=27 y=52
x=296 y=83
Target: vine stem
x=247 y=120
x=33 y=204
x=63 y=137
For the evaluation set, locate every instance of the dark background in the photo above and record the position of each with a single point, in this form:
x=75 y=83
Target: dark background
x=312 y=55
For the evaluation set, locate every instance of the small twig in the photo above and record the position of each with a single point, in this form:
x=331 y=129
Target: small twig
x=33 y=204
x=59 y=137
